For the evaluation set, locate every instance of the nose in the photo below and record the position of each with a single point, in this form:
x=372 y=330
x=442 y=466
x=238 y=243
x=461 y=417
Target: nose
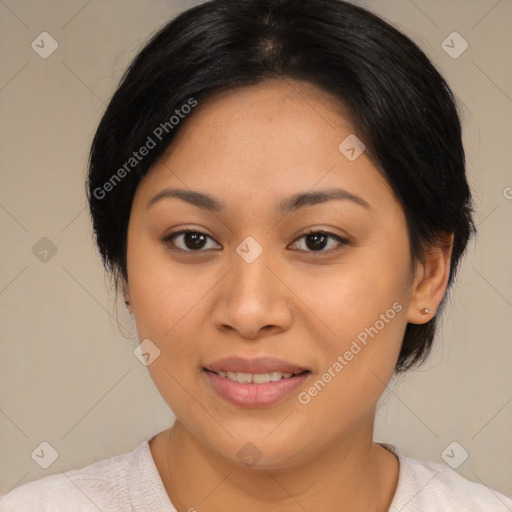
x=252 y=300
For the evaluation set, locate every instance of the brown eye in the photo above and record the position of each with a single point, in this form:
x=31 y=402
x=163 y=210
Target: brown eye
x=317 y=241
x=190 y=241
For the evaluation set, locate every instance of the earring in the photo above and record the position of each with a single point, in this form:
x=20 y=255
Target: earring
x=425 y=311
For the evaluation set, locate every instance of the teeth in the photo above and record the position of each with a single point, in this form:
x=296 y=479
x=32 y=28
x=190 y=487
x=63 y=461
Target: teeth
x=261 y=378
x=254 y=378
x=244 y=378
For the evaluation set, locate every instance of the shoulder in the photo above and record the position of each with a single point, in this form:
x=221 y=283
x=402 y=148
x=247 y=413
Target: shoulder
x=99 y=486
x=430 y=487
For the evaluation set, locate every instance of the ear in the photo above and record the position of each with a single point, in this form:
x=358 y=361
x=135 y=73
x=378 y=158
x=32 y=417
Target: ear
x=430 y=281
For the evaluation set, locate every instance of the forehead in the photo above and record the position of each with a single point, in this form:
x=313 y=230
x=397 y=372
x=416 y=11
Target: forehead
x=269 y=140
x=269 y=115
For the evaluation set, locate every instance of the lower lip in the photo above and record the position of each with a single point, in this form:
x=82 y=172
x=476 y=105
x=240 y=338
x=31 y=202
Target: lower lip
x=255 y=395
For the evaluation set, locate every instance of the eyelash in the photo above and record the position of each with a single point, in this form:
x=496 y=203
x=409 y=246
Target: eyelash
x=342 y=241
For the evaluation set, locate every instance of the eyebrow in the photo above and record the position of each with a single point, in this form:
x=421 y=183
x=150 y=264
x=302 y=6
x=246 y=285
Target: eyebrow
x=295 y=202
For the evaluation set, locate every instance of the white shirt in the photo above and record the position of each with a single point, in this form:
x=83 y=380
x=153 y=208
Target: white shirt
x=130 y=482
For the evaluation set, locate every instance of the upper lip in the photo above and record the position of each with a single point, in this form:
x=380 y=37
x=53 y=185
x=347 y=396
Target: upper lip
x=256 y=365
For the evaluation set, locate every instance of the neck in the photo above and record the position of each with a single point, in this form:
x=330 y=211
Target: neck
x=354 y=474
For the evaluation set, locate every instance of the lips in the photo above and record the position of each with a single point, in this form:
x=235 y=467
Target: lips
x=257 y=365
x=254 y=383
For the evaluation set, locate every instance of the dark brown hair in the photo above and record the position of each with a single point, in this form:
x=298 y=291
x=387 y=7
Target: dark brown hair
x=399 y=103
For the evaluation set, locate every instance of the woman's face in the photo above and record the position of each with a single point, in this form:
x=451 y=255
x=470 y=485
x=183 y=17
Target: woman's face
x=257 y=295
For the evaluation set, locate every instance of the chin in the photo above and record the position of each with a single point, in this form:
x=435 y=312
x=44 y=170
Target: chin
x=258 y=453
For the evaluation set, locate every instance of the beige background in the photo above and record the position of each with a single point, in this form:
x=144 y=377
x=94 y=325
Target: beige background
x=68 y=376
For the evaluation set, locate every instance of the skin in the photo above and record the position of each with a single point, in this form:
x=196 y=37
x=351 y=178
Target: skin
x=250 y=148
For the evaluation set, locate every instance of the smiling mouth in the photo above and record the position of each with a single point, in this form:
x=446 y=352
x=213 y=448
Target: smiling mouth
x=256 y=383
x=256 y=378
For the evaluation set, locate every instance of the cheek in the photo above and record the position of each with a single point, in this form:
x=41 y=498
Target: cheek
x=358 y=354
x=356 y=296
x=362 y=307
x=163 y=293
x=170 y=319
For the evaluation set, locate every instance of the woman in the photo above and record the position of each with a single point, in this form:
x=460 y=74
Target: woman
x=279 y=190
